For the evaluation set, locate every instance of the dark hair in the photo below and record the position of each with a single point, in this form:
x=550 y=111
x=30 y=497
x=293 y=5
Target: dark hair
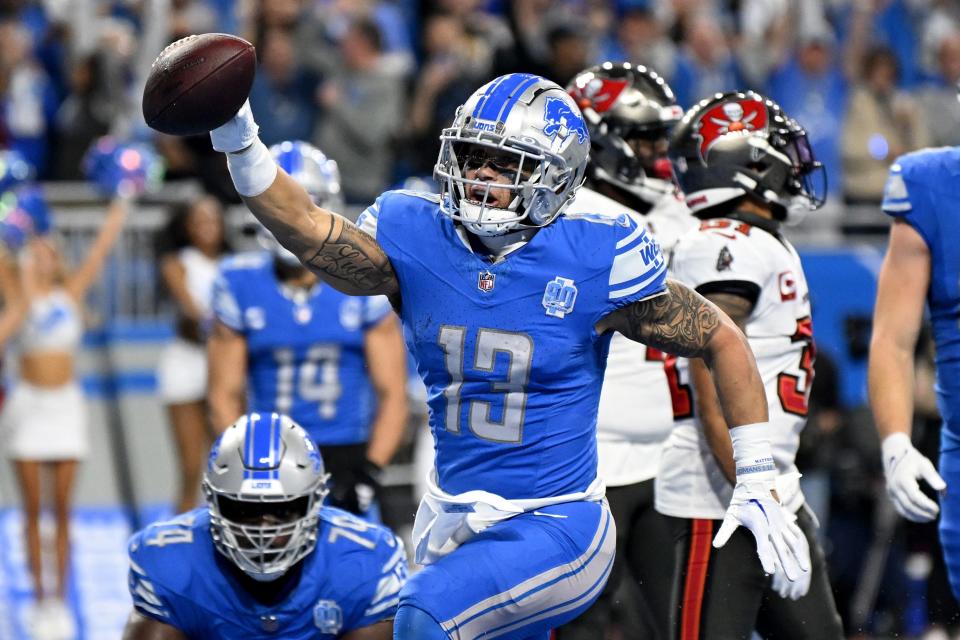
x=173 y=235
x=878 y=55
x=367 y=29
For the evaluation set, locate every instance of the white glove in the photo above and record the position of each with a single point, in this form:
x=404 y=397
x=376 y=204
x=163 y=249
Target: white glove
x=903 y=465
x=238 y=133
x=798 y=588
x=780 y=543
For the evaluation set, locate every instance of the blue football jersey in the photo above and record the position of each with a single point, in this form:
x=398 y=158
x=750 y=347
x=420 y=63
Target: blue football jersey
x=351 y=580
x=508 y=352
x=923 y=189
x=305 y=350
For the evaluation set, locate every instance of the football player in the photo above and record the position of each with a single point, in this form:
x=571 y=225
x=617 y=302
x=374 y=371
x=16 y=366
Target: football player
x=921 y=264
x=509 y=308
x=630 y=111
x=745 y=168
x=264 y=558
x=282 y=341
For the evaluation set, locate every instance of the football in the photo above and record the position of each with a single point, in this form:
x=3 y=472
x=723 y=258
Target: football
x=198 y=83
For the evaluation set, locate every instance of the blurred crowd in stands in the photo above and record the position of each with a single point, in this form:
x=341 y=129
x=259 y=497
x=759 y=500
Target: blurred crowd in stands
x=371 y=82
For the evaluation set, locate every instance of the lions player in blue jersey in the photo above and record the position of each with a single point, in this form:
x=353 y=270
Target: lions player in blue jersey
x=922 y=264
x=264 y=559
x=508 y=307
x=284 y=342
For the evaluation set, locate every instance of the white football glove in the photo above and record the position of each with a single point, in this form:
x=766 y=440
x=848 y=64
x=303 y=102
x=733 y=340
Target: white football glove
x=753 y=506
x=903 y=465
x=798 y=588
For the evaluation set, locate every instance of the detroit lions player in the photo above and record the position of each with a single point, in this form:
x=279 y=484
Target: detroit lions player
x=629 y=111
x=743 y=165
x=509 y=307
x=284 y=342
x=264 y=559
x=921 y=264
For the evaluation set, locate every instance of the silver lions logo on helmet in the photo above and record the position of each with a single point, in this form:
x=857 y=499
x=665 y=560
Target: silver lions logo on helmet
x=328 y=617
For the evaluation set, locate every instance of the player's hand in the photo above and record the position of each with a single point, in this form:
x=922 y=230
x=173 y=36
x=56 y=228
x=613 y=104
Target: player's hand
x=903 y=465
x=238 y=133
x=361 y=489
x=780 y=543
x=796 y=589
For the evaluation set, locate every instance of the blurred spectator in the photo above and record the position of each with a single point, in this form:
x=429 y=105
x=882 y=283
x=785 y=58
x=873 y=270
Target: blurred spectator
x=939 y=98
x=27 y=98
x=879 y=125
x=189 y=248
x=705 y=64
x=283 y=91
x=811 y=87
x=45 y=416
x=362 y=111
x=567 y=50
x=638 y=37
x=97 y=98
x=192 y=16
x=454 y=65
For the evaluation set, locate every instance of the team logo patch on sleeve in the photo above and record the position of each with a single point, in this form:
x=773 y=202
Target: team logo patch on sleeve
x=559 y=297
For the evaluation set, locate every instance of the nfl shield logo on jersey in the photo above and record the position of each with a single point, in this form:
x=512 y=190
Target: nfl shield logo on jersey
x=559 y=297
x=485 y=281
x=327 y=616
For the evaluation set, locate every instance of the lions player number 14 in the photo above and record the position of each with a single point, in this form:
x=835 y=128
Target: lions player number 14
x=315 y=379
x=510 y=394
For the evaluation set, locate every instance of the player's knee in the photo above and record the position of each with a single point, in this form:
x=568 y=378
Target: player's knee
x=412 y=623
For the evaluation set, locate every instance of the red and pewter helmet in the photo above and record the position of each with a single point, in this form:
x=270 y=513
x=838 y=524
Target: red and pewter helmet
x=742 y=144
x=622 y=102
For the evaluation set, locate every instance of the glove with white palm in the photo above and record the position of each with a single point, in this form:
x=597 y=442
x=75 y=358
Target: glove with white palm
x=903 y=465
x=795 y=589
x=754 y=505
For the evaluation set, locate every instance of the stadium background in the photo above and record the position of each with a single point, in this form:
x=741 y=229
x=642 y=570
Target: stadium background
x=371 y=83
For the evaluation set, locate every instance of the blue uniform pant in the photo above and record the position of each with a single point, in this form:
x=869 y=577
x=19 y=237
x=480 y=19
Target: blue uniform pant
x=950 y=510
x=521 y=577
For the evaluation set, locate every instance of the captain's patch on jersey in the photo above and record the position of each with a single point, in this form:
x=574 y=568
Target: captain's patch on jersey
x=328 y=617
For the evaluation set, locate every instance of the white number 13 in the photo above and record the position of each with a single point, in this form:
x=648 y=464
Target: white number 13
x=519 y=349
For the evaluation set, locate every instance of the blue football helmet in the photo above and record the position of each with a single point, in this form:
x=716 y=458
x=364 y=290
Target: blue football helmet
x=538 y=127
x=316 y=173
x=265 y=483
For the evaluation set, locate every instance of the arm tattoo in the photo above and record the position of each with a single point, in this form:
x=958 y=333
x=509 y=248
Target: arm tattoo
x=352 y=259
x=679 y=322
x=737 y=307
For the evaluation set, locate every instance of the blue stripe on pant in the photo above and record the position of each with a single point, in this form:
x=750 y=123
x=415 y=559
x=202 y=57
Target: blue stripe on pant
x=520 y=577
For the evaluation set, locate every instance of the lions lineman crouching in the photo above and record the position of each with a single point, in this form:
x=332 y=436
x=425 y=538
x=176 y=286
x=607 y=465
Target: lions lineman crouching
x=265 y=559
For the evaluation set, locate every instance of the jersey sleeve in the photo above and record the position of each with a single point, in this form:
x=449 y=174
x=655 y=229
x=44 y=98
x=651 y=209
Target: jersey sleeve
x=226 y=307
x=720 y=261
x=638 y=269
x=144 y=580
x=375 y=309
x=376 y=560
x=904 y=196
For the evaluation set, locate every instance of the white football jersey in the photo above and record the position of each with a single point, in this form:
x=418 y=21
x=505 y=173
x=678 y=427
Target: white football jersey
x=729 y=255
x=639 y=400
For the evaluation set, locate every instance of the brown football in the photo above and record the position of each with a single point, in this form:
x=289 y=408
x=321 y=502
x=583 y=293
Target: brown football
x=198 y=83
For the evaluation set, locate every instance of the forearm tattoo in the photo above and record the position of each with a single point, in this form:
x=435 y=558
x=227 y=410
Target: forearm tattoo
x=354 y=260
x=680 y=322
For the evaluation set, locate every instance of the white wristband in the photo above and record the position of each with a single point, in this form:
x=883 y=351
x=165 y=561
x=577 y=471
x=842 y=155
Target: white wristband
x=751 y=451
x=253 y=170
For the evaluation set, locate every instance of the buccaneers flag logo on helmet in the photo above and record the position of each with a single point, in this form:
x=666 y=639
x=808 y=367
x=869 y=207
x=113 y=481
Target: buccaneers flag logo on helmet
x=726 y=117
